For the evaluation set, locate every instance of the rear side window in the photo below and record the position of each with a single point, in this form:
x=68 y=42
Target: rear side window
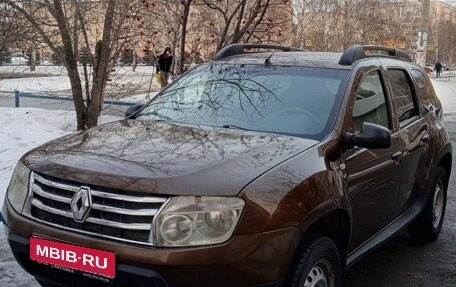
x=370 y=104
x=402 y=95
x=419 y=78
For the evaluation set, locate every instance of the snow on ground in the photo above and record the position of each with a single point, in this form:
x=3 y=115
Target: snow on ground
x=36 y=84
x=446 y=91
x=25 y=128
x=24 y=71
x=123 y=81
x=55 y=70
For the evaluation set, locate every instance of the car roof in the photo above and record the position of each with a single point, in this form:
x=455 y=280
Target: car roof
x=289 y=56
x=297 y=59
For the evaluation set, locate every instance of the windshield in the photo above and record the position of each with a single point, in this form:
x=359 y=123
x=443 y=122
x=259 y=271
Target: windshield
x=285 y=100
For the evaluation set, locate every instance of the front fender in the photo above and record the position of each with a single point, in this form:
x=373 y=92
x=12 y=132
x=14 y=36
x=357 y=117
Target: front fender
x=295 y=193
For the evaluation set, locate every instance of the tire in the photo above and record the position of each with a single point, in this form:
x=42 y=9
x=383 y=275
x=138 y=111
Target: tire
x=317 y=263
x=426 y=227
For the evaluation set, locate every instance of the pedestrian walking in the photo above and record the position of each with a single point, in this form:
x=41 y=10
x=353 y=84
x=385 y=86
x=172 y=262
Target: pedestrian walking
x=438 y=69
x=165 y=61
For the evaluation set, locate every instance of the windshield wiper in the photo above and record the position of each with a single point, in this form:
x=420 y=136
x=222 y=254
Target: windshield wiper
x=234 y=127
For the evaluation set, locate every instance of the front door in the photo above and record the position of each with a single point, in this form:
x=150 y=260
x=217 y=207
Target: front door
x=373 y=174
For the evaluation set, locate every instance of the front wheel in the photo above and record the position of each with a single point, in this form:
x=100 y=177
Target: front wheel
x=317 y=264
x=427 y=226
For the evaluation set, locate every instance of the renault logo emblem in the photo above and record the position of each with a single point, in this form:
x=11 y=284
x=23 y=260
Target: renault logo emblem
x=81 y=203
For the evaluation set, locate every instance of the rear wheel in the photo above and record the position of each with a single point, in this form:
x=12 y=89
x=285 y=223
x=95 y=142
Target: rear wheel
x=427 y=226
x=317 y=264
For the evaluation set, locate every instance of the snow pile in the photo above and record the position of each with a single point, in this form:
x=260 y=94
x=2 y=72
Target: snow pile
x=25 y=128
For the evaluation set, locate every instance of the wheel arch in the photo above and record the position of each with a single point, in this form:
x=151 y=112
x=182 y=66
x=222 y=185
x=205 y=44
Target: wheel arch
x=446 y=161
x=335 y=224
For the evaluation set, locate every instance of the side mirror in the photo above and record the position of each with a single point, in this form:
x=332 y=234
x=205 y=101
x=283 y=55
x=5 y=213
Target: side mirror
x=132 y=111
x=371 y=136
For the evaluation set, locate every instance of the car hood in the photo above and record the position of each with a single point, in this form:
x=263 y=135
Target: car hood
x=164 y=158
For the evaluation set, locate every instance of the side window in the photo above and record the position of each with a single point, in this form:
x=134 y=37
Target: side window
x=402 y=95
x=419 y=78
x=370 y=105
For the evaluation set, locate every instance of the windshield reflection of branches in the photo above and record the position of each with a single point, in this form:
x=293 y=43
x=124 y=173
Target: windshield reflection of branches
x=215 y=93
x=253 y=92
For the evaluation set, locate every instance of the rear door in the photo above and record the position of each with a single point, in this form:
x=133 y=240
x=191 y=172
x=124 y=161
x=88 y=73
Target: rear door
x=413 y=133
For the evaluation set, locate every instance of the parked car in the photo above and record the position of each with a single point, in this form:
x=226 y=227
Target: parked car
x=19 y=59
x=429 y=68
x=277 y=168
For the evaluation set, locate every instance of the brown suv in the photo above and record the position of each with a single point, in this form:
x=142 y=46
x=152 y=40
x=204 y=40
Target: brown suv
x=256 y=168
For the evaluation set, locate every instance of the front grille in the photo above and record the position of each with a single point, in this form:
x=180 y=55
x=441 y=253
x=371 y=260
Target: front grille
x=116 y=214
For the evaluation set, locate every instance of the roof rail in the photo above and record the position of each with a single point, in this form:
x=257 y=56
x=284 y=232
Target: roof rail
x=237 y=49
x=358 y=52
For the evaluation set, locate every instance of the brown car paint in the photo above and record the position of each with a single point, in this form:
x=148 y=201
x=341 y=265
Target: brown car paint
x=161 y=158
x=250 y=259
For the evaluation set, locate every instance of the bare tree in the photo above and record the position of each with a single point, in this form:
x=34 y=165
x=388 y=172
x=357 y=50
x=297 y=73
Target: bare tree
x=67 y=22
x=184 y=19
x=188 y=25
x=446 y=32
x=11 y=41
x=242 y=20
x=319 y=23
x=8 y=36
x=336 y=25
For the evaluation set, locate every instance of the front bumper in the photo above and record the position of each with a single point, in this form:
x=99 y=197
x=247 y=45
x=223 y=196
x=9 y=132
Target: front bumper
x=260 y=259
x=127 y=275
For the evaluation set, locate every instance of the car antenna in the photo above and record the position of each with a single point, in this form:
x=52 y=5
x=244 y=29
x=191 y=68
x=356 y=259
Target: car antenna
x=267 y=62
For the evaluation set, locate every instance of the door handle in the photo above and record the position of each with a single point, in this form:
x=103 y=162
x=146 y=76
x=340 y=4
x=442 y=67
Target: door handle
x=396 y=157
x=425 y=139
x=430 y=108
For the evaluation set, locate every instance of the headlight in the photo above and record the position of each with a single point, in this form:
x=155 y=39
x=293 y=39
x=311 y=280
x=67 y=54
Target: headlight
x=190 y=220
x=18 y=187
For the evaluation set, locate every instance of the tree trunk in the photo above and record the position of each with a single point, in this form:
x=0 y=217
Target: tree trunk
x=71 y=66
x=33 y=58
x=187 y=4
x=101 y=67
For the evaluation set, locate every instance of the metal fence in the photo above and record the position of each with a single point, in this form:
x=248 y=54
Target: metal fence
x=18 y=95
x=55 y=102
